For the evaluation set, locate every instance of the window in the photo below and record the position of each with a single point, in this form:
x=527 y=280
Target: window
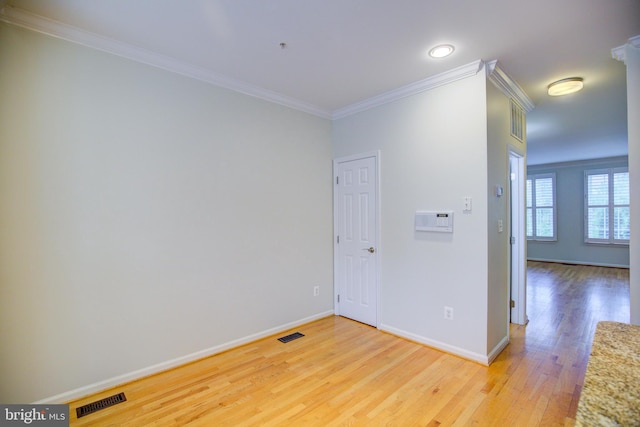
x=541 y=207
x=606 y=208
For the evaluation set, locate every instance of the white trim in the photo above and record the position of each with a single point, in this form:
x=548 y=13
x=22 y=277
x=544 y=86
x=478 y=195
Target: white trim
x=509 y=87
x=22 y=18
x=573 y=262
x=457 y=351
x=518 y=205
x=618 y=53
x=31 y=21
x=163 y=366
x=356 y=157
x=497 y=349
x=578 y=163
x=411 y=89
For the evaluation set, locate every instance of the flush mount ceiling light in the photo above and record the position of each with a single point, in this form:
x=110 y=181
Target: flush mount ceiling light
x=441 y=51
x=565 y=86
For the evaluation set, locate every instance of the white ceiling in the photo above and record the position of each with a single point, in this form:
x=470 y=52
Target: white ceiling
x=341 y=52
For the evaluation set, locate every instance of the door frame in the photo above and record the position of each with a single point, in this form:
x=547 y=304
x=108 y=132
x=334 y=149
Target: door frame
x=517 y=228
x=336 y=162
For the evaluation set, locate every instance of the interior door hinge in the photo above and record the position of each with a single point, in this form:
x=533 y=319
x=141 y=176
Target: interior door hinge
x=337 y=180
x=338 y=297
x=337 y=239
x=513 y=304
x=512 y=240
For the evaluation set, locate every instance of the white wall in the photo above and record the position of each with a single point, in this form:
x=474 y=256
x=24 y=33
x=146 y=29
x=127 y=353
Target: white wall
x=146 y=217
x=632 y=60
x=500 y=142
x=433 y=153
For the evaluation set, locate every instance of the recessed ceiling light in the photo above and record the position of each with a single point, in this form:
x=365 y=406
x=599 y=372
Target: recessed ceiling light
x=565 y=86
x=441 y=51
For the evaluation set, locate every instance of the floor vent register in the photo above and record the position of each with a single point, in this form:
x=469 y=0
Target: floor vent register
x=100 y=404
x=291 y=337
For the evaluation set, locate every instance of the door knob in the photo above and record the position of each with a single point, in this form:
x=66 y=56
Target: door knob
x=371 y=250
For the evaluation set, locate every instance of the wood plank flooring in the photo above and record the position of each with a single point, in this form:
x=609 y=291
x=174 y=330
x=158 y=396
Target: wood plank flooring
x=343 y=373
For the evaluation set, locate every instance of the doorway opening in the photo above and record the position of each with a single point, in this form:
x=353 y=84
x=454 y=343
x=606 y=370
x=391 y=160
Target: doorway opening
x=517 y=239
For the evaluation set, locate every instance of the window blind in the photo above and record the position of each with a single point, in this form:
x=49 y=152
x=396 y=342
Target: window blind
x=607 y=206
x=541 y=207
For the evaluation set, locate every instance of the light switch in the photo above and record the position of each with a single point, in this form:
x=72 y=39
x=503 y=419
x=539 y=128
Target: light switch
x=467 y=204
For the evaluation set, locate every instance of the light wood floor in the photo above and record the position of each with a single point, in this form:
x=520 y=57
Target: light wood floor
x=345 y=373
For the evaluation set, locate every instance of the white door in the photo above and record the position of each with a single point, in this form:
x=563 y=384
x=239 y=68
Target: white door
x=356 y=251
x=517 y=257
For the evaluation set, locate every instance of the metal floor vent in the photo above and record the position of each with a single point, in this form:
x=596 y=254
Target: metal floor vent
x=291 y=337
x=100 y=404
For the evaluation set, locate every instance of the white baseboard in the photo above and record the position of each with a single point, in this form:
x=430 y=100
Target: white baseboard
x=498 y=349
x=145 y=372
x=457 y=351
x=595 y=264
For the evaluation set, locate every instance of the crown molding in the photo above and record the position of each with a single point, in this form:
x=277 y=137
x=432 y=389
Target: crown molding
x=584 y=162
x=617 y=53
x=19 y=17
x=508 y=86
x=411 y=89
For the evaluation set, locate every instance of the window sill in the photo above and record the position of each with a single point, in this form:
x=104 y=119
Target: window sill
x=608 y=244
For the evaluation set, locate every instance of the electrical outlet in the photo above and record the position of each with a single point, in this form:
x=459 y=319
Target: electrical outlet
x=448 y=313
x=316 y=291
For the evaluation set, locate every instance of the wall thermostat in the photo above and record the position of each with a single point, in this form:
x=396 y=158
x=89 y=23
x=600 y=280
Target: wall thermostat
x=439 y=221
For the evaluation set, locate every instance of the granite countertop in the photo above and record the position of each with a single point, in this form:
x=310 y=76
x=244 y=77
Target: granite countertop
x=611 y=392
